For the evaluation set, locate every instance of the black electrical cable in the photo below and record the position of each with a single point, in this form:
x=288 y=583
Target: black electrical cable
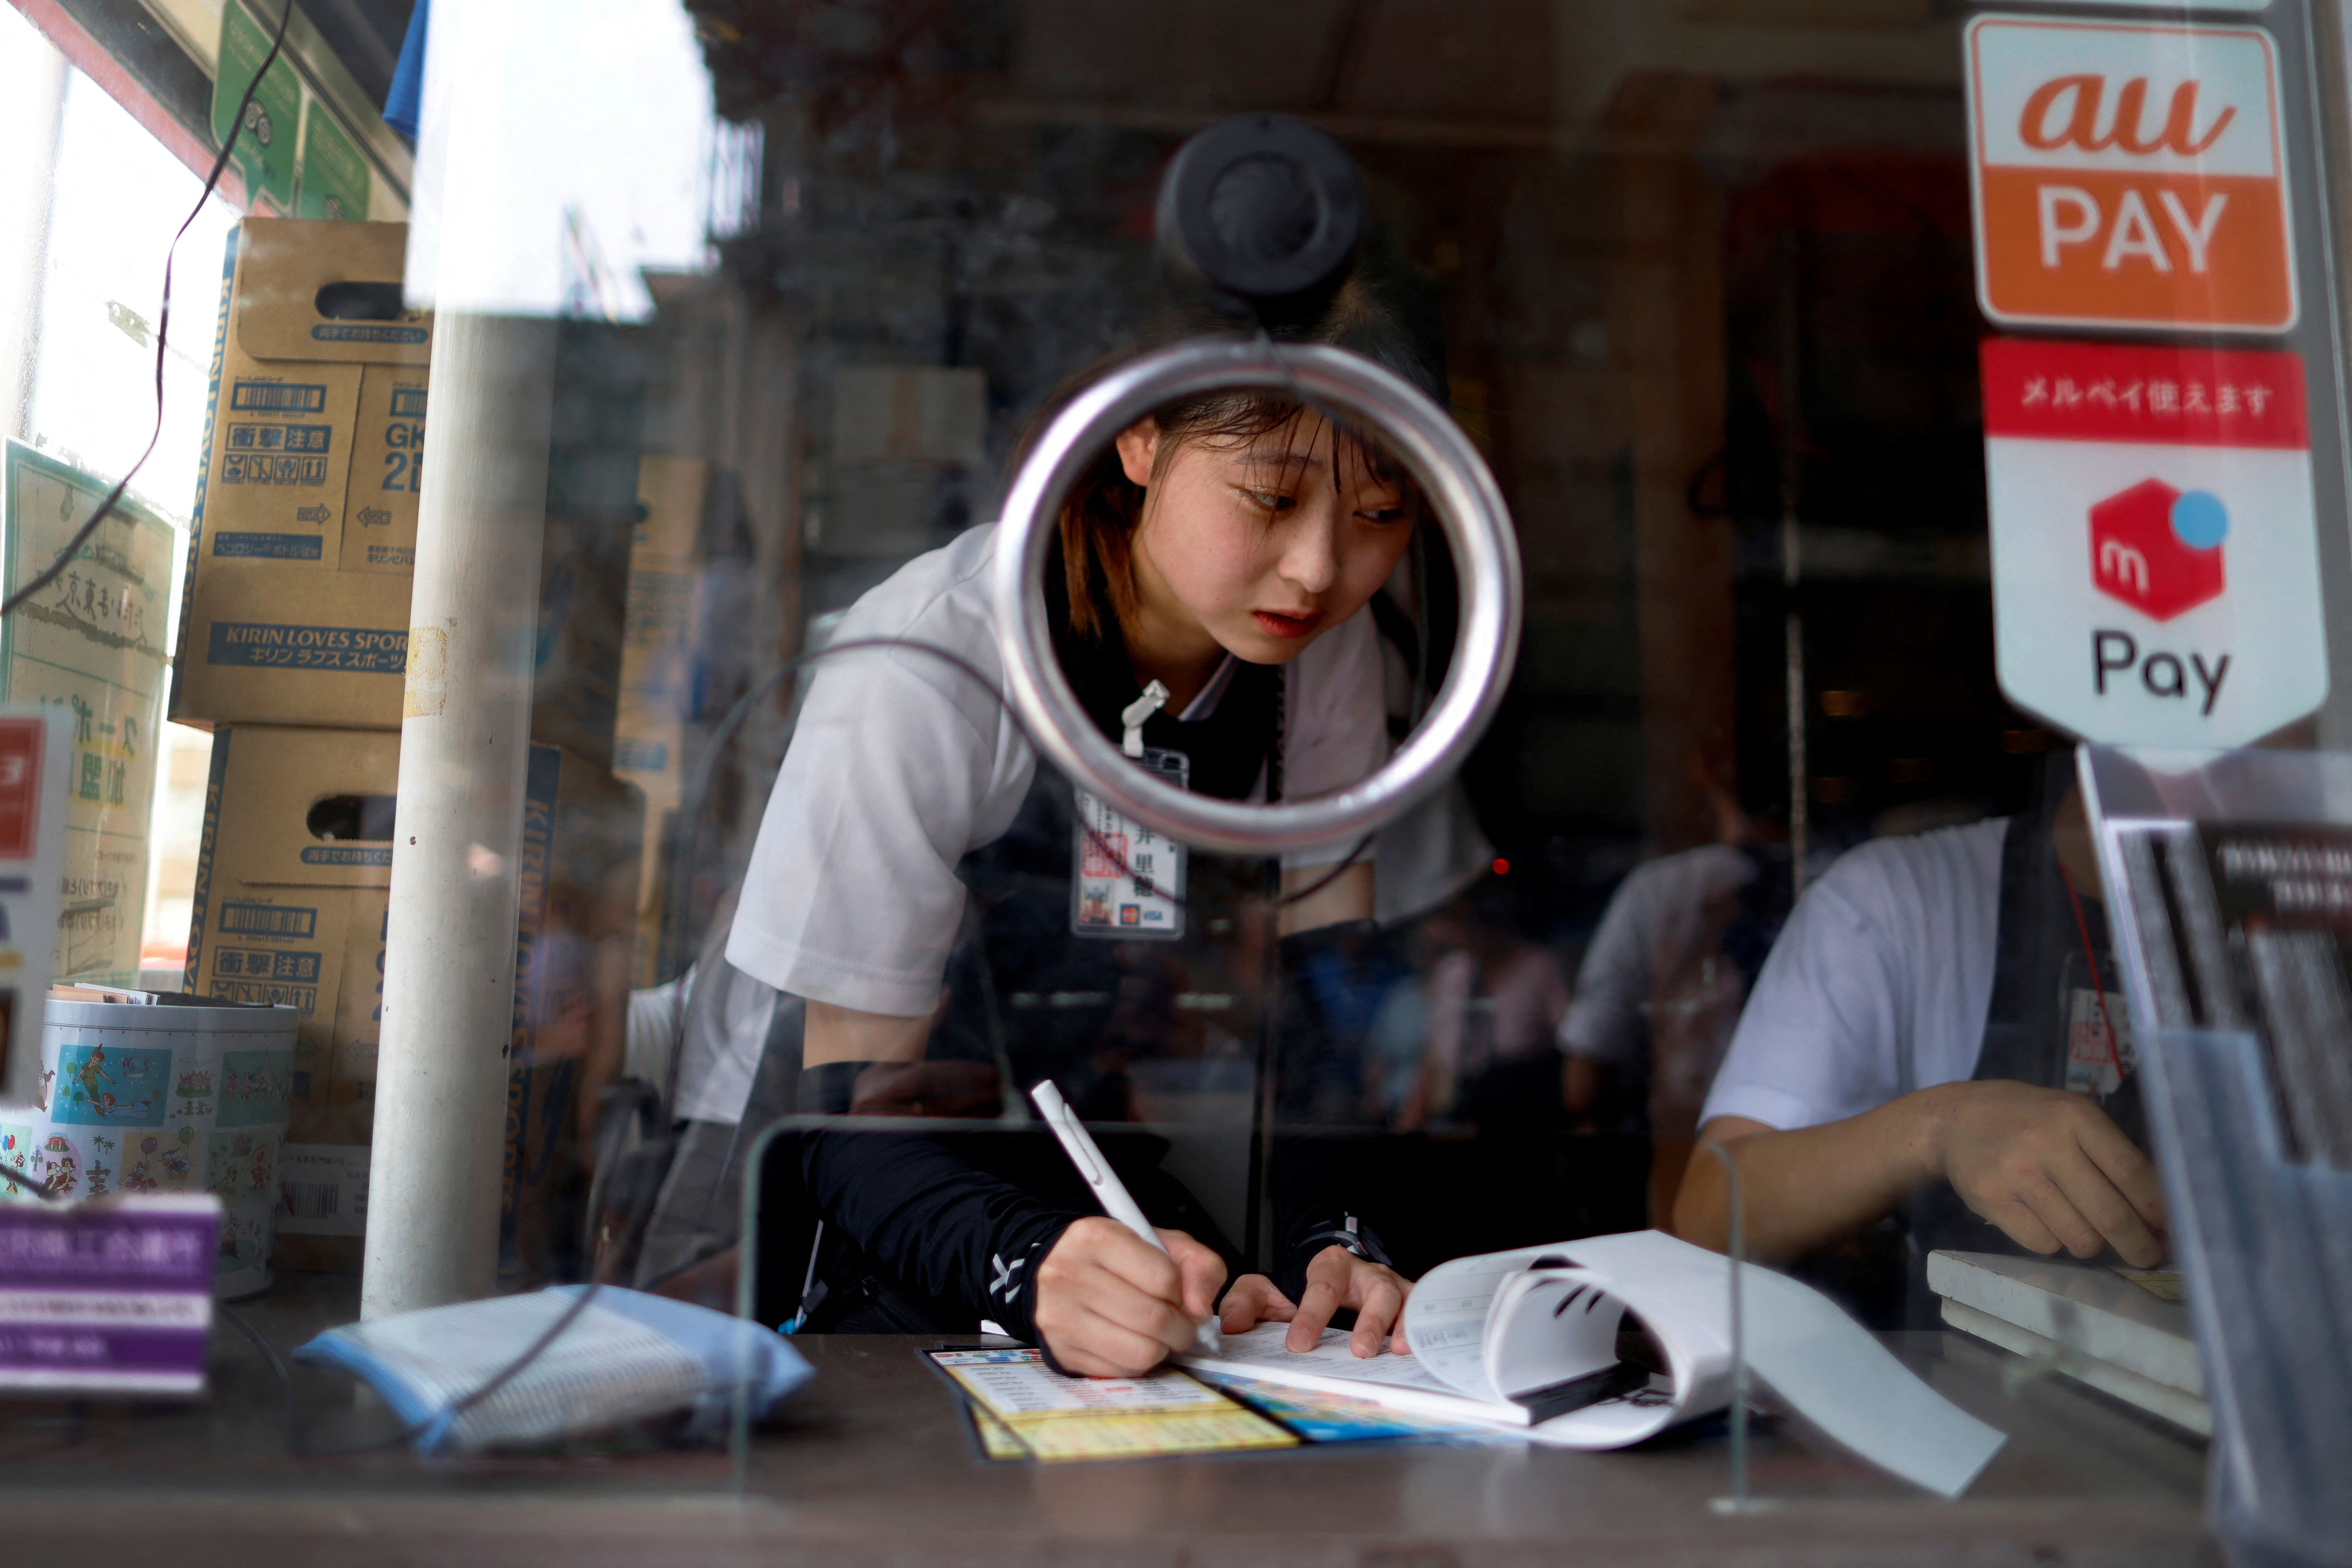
x=163 y=332
x=442 y=1418
x=448 y=1415
x=23 y=1183
x=276 y=1370
x=691 y=803
x=689 y=819
x=695 y=798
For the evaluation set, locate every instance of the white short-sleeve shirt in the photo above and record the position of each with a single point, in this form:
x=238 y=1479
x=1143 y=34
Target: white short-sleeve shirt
x=901 y=766
x=1878 y=986
x=1658 y=914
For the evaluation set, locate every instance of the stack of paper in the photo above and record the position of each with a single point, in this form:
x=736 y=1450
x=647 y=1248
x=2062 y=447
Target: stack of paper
x=2119 y=1333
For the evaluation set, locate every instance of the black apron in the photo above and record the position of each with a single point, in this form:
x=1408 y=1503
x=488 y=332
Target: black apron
x=1036 y=1000
x=1034 y=997
x=2045 y=1026
x=2042 y=1027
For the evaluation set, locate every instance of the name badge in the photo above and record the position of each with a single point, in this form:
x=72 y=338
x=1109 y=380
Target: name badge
x=2092 y=1059
x=1126 y=881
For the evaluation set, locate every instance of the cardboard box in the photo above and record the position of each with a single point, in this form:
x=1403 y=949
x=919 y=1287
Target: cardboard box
x=295 y=599
x=290 y=906
x=295 y=608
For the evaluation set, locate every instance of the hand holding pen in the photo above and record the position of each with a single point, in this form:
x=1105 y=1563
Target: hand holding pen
x=1117 y=1296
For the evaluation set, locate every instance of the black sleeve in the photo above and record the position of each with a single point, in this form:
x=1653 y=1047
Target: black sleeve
x=933 y=1221
x=966 y=1238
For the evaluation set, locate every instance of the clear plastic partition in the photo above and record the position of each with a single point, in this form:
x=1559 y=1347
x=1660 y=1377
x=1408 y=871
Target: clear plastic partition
x=2236 y=870
x=697 y=688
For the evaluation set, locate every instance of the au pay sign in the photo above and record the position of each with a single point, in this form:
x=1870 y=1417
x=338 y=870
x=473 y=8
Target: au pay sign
x=2155 y=545
x=2128 y=174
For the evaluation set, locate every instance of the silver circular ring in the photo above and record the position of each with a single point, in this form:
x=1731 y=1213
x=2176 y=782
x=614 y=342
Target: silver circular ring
x=1432 y=449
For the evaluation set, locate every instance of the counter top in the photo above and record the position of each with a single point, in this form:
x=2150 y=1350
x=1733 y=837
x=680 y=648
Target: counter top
x=872 y=1463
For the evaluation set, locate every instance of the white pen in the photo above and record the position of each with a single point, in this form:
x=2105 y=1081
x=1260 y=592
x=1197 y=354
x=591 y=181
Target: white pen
x=1109 y=1190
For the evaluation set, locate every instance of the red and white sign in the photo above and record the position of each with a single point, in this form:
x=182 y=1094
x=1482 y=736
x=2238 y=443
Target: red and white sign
x=24 y=745
x=2128 y=174
x=2155 y=546
x=36 y=743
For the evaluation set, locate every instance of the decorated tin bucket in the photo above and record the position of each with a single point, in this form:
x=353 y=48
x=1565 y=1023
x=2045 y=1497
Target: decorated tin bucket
x=163 y=1093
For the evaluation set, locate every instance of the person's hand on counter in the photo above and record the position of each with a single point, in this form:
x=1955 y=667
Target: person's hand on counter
x=1109 y=1305
x=1337 y=1280
x=2049 y=1167
x=2046 y=1166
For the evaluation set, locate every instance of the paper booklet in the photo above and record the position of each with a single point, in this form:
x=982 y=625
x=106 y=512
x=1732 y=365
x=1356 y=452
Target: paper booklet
x=1528 y=1339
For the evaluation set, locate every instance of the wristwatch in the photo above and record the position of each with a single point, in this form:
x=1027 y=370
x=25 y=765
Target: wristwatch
x=1352 y=1234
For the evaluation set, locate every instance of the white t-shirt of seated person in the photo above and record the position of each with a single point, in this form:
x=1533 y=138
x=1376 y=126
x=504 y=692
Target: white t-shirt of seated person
x=1878 y=986
x=1656 y=921
x=901 y=766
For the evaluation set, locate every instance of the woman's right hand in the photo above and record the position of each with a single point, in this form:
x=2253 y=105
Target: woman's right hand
x=1111 y=1306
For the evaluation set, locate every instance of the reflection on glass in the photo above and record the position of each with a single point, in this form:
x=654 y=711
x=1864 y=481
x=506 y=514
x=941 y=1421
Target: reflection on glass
x=1705 y=286
x=1937 y=1056
x=946 y=924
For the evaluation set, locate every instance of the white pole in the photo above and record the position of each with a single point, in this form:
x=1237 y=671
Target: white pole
x=40 y=117
x=448 y=982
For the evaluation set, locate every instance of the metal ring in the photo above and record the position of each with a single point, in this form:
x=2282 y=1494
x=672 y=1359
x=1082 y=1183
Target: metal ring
x=1432 y=448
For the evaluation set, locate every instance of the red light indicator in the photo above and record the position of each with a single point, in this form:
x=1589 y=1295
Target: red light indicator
x=1502 y=867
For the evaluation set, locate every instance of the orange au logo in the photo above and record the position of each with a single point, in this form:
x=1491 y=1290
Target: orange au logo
x=2079 y=126
x=2129 y=175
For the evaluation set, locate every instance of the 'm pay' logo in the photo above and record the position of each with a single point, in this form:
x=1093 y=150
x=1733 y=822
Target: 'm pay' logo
x=2158 y=548
x=2154 y=539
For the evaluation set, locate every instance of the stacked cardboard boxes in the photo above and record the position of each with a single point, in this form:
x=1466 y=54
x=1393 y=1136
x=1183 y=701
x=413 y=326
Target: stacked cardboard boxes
x=295 y=607
x=291 y=903
x=293 y=651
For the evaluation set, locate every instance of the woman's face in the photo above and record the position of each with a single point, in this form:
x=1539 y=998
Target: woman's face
x=1264 y=542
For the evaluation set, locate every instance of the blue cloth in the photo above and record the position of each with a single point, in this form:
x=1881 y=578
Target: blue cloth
x=404 y=104
x=423 y=1390
x=713 y=1339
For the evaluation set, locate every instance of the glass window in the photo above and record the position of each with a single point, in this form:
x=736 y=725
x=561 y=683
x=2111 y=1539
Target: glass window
x=581 y=730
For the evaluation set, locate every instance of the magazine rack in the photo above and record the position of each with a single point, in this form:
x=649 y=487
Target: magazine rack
x=2246 y=1064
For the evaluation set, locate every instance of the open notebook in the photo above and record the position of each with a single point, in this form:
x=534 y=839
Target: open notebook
x=1528 y=1339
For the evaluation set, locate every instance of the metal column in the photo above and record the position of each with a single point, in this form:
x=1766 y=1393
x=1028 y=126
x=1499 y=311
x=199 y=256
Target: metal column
x=448 y=983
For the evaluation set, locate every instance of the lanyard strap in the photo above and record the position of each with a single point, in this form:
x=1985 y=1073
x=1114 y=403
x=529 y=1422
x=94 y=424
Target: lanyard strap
x=2091 y=957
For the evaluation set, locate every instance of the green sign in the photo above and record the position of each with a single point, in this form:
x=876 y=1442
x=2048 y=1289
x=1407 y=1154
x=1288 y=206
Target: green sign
x=265 y=153
x=334 y=175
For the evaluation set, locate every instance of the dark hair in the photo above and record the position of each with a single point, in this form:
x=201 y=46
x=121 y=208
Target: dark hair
x=1376 y=312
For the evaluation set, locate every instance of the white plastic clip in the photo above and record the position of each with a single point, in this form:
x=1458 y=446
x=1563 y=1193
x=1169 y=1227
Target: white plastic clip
x=1154 y=698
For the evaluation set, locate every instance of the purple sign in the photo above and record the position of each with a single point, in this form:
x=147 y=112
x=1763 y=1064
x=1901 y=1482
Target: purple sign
x=108 y=1298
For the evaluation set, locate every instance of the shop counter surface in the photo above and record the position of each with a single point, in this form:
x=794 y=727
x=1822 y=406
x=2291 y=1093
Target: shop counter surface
x=871 y=1463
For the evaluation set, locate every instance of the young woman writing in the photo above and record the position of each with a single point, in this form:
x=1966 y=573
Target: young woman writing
x=913 y=869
